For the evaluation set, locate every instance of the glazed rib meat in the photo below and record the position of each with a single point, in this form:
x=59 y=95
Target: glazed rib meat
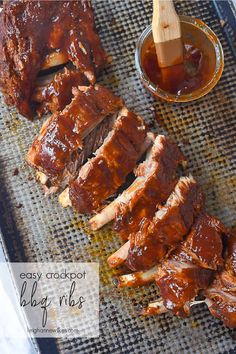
x=192 y=266
x=158 y=175
x=101 y=176
x=171 y=223
x=64 y=133
x=36 y=35
x=156 y=178
x=91 y=143
x=54 y=95
x=221 y=295
x=195 y=268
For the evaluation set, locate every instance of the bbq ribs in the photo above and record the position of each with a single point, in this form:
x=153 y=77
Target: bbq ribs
x=221 y=294
x=204 y=264
x=156 y=178
x=102 y=175
x=38 y=35
x=170 y=224
x=55 y=152
x=191 y=267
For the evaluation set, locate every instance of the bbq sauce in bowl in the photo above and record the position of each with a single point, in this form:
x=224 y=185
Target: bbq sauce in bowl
x=200 y=72
x=180 y=79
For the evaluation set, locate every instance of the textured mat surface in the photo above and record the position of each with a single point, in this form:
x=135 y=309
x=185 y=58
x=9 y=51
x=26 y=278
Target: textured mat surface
x=38 y=229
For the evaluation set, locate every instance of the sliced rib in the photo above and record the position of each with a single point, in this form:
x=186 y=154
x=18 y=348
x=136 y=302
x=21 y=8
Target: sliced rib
x=64 y=133
x=91 y=143
x=154 y=183
x=101 y=176
x=64 y=198
x=170 y=224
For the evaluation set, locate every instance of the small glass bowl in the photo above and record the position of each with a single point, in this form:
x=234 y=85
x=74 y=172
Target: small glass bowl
x=194 y=31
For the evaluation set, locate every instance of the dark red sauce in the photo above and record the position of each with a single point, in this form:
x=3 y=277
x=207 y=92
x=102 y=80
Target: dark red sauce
x=180 y=79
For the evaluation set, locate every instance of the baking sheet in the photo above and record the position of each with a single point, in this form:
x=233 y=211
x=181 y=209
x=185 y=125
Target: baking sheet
x=36 y=228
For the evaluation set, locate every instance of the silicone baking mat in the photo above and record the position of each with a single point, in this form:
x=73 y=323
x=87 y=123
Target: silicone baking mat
x=36 y=228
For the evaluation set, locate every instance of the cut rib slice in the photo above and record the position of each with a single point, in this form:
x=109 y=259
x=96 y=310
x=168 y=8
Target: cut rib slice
x=91 y=143
x=154 y=183
x=101 y=176
x=170 y=224
x=63 y=133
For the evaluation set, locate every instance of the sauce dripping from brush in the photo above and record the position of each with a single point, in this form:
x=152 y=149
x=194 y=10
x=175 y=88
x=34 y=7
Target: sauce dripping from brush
x=180 y=79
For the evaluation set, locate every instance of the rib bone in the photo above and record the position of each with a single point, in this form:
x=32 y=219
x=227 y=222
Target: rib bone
x=119 y=256
x=137 y=278
x=158 y=308
x=54 y=59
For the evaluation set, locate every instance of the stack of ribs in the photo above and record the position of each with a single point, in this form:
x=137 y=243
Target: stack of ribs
x=36 y=36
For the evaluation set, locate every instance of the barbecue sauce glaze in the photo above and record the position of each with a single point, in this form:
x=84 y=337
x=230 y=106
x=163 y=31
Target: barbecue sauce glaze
x=181 y=79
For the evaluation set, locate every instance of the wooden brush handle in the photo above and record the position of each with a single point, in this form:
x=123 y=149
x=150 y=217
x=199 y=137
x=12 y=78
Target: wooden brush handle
x=165 y=22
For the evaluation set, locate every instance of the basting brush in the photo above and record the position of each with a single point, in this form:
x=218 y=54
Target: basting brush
x=167 y=33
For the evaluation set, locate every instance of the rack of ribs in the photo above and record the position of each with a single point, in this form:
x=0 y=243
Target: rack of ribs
x=156 y=178
x=38 y=35
x=54 y=152
x=158 y=236
x=102 y=175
